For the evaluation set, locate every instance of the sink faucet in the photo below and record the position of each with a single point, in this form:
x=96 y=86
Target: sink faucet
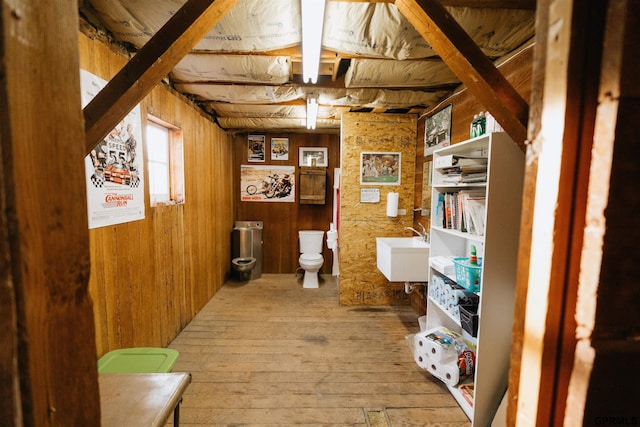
x=424 y=234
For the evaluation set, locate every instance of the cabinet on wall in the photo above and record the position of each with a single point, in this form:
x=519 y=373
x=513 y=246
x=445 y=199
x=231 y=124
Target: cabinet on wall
x=313 y=185
x=497 y=249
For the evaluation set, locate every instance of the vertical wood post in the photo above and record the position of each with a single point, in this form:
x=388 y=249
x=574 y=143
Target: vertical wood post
x=580 y=237
x=46 y=235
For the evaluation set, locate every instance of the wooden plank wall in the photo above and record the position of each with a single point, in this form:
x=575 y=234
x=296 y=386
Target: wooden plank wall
x=150 y=277
x=361 y=283
x=282 y=220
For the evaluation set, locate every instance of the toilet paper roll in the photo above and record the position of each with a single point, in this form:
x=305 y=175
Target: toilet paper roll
x=420 y=359
x=450 y=374
x=455 y=311
x=435 y=344
x=436 y=369
x=332 y=239
x=392 y=204
x=440 y=352
x=419 y=343
x=458 y=295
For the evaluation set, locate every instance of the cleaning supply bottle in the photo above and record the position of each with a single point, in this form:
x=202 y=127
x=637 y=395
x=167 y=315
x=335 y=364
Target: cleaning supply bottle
x=473 y=129
x=482 y=124
x=473 y=257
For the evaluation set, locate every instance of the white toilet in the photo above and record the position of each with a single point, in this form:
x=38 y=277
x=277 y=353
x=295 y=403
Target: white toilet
x=311 y=259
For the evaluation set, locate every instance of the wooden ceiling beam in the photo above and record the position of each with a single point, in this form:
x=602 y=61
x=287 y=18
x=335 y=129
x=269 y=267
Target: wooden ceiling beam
x=492 y=4
x=484 y=4
x=470 y=65
x=150 y=65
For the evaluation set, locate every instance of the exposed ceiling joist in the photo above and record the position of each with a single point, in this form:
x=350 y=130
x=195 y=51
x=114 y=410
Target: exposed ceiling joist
x=485 y=4
x=150 y=64
x=492 y=4
x=467 y=61
x=386 y=64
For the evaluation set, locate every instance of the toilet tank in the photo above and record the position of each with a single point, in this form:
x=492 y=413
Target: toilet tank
x=311 y=241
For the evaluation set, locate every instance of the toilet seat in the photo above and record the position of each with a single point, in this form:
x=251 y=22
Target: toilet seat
x=244 y=266
x=311 y=257
x=243 y=263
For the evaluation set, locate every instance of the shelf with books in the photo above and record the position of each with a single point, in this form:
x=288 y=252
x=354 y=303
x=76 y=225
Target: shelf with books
x=489 y=224
x=462 y=210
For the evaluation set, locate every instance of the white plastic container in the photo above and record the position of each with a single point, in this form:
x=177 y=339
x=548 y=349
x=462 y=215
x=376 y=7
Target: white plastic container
x=422 y=321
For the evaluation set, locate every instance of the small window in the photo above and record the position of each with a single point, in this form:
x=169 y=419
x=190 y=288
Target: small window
x=165 y=163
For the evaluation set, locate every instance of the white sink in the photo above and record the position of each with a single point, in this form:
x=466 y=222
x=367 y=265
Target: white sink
x=403 y=259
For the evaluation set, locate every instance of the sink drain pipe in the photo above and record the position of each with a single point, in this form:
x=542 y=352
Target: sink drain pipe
x=410 y=287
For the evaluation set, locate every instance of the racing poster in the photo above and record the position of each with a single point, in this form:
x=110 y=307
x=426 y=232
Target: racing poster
x=114 y=168
x=267 y=183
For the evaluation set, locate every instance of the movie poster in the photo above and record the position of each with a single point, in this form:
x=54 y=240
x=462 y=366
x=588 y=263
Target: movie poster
x=114 y=168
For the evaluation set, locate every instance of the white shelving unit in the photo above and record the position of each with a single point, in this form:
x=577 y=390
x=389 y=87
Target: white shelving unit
x=498 y=248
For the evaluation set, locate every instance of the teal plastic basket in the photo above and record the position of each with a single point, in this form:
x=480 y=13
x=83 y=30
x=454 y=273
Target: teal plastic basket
x=468 y=276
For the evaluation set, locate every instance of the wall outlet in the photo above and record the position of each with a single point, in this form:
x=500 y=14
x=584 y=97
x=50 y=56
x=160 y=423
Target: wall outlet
x=402 y=211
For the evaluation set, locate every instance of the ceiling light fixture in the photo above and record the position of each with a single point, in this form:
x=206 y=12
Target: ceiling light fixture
x=312 y=23
x=312 y=111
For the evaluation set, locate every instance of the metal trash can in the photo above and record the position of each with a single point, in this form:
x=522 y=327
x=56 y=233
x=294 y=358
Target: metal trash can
x=247 y=243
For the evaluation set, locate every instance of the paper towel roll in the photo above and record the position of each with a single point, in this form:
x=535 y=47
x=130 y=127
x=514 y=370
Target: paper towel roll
x=392 y=204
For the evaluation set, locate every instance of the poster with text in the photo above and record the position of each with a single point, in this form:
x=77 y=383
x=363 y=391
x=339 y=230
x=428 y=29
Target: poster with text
x=255 y=148
x=267 y=183
x=114 y=168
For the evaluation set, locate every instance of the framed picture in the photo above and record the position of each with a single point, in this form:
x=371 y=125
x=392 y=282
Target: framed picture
x=255 y=148
x=437 y=130
x=380 y=168
x=279 y=148
x=313 y=156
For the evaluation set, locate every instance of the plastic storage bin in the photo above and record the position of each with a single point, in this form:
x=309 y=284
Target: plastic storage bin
x=468 y=276
x=138 y=360
x=469 y=319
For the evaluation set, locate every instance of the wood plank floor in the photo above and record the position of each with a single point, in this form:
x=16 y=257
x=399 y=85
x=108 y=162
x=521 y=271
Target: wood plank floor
x=270 y=353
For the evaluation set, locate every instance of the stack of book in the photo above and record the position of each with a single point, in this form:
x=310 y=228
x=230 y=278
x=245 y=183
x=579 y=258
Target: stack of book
x=462 y=169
